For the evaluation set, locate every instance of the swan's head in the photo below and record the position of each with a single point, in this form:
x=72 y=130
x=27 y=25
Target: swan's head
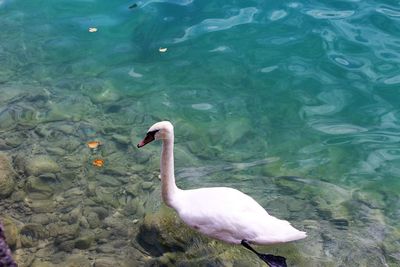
x=159 y=130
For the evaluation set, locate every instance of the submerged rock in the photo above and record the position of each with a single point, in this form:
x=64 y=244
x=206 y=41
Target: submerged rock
x=106 y=262
x=163 y=232
x=40 y=205
x=93 y=220
x=11 y=231
x=7 y=177
x=77 y=260
x=41 y=164
x=121 y=139
x=64 y=231
x=37 y=189
x=43 y=218
x=41 y=263
x=31 y=234
x=85 y=239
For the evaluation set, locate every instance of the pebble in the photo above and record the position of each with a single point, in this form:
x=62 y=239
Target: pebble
x=147 y=185
x=93 y=220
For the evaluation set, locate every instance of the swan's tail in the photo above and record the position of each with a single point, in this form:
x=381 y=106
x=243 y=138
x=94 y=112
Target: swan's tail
x=280 y=233
x=296 y=236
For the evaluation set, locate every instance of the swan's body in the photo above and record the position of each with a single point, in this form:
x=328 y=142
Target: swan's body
x=219 y=212
x=232 y=216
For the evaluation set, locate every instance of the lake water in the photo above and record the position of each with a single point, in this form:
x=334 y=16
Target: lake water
x=294 y=103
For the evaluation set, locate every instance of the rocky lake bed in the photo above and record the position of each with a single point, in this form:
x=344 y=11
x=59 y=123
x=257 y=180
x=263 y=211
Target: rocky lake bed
x=59 y=209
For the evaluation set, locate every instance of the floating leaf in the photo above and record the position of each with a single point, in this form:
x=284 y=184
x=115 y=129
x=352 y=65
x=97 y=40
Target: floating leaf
x=93 y=144
x=98 y=163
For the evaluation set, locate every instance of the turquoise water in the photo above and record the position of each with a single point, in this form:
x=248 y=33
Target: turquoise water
x=295 y=103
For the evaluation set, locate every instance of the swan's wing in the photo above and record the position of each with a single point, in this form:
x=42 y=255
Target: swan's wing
x=232 y=216
x=223 y=213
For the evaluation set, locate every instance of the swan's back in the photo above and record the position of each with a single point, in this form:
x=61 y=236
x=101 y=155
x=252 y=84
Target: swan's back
x=232 y=216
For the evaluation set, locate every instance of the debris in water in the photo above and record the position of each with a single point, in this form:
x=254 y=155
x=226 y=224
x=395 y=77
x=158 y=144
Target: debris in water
x=93 y=144
x=98 y=163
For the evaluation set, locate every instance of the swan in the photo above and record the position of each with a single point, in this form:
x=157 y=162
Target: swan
x=221 y=213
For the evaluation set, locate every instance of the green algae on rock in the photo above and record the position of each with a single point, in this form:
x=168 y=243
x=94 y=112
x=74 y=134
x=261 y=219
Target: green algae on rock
x=11 y=230
x=31 y=234
x=7 y=176
x=41 y=164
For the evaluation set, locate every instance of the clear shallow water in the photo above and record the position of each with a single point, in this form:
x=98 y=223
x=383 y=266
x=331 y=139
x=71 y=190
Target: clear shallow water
x=313 y=84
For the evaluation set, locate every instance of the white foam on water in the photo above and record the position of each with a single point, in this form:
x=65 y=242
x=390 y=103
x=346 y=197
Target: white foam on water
x=211 y=25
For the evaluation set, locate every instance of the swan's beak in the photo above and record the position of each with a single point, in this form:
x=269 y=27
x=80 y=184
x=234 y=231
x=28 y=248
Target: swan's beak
x=150 y=136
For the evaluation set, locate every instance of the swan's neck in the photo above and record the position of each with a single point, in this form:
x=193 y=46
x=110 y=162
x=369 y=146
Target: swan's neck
x=168 y=186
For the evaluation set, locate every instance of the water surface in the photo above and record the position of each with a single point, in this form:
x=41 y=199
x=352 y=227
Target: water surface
x=295 y=103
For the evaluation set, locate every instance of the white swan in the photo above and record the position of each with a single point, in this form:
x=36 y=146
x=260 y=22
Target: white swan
x=219 y=212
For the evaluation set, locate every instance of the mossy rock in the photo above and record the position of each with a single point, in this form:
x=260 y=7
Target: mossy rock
x=41 y=263
x=76 y=261
x=85 y=240
x=31 y=234
x=41 y=205
x=163 y=232
x=41 y=164
x=7 y=176
x=11 y=231
x=37 y=188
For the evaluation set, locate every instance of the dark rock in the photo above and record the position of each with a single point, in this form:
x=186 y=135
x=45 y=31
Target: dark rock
x=31 y=234
x=158 y=235
x=85 y=240
x=93 y=220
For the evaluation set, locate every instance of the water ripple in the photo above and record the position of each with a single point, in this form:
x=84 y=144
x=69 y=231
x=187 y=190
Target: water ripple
x=336 y=128
x=380 y=138
x=175 y=2
x=202 y=106
x=392 y=80
x=393 y=13
x=329 y=14
x=278 y=14
x=344 y=61
x=334 y=101
x=211 y=25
